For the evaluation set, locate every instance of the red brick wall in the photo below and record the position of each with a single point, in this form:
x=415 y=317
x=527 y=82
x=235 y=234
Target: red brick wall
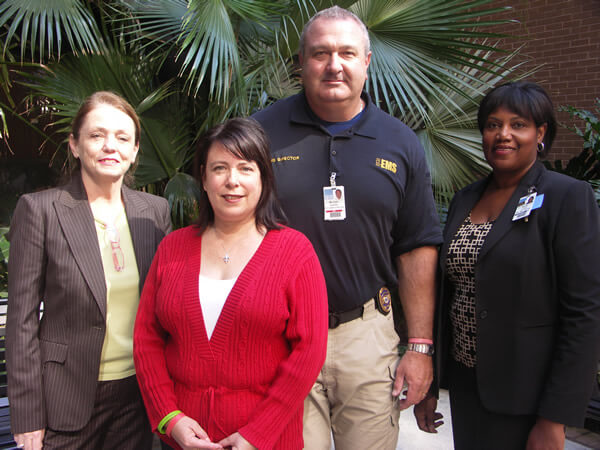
x=564 y=35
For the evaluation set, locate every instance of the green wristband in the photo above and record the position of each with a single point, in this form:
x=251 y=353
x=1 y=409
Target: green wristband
x=165 y=421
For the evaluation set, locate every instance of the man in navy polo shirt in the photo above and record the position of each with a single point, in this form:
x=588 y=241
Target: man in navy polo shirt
x=355 y=181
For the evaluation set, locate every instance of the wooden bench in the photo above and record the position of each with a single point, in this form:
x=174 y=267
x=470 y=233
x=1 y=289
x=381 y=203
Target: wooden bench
x=6 y=439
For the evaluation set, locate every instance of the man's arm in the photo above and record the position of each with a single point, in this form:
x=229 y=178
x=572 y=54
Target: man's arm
x=416 y=287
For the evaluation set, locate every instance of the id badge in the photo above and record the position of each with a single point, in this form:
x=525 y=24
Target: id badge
x=525 y=206
x=334 y=202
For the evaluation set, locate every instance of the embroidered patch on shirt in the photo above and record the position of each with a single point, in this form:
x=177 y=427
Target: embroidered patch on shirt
x=385 y=164
x=285 y=158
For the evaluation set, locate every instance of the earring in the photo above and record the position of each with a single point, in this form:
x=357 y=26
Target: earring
x=540 y=147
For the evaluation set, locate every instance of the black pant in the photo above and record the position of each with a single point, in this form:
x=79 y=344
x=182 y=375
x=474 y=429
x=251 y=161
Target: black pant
x=118 y=421
x=476 y=428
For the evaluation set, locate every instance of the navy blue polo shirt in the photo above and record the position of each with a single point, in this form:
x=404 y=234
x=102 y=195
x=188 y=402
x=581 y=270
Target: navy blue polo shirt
x=389 y=202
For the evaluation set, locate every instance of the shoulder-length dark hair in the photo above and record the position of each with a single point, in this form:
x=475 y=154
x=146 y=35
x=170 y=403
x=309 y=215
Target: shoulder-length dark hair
x=526 y=99
x=244 y=138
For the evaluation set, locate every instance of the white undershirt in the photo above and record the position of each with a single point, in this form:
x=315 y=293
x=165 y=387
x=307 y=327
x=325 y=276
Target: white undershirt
x=213 y=294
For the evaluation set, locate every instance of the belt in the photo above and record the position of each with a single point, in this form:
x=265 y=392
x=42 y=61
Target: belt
x=336 y=319
x=382 y=302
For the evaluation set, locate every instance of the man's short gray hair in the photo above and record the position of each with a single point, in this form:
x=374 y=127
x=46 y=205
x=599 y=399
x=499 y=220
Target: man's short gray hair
x=335 y=13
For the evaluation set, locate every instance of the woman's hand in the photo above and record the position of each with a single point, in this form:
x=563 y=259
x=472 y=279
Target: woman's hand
x=237 y=442
x=428 y=419
x=546 y=435
x=32 y=440
x=189 y=435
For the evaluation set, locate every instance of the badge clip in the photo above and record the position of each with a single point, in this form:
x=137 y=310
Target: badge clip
x=334 y=200
x=528 y=203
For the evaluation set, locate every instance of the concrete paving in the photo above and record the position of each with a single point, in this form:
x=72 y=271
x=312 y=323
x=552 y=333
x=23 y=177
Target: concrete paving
x=411 y=438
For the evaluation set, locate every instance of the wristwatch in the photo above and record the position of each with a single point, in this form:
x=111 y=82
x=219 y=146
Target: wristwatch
x=426 y=349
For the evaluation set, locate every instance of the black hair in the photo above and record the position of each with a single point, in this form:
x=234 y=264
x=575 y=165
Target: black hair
x=526 y=99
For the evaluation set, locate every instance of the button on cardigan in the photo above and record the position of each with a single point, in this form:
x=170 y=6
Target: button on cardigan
x=265 y=353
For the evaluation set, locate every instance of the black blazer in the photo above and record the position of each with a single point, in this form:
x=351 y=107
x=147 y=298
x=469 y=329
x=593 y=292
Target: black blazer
x=54 y=256
x=537 y=299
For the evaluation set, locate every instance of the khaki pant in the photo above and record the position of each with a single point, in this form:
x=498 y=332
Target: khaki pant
x=352 y=397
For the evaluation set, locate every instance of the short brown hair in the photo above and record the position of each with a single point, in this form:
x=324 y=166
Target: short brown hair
x=245 y=139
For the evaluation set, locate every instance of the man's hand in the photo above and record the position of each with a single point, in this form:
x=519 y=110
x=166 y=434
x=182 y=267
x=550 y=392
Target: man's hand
x=416 y=370
x=32 y=440
x=546 y=435
x=189 y=435
x=428 y=419
x=236 y=441
x=416 y=287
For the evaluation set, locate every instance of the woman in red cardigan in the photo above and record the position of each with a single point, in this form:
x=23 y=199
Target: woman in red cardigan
x=232 y=325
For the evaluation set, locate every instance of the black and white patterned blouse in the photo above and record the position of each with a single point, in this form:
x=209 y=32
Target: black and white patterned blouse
x=460 y=268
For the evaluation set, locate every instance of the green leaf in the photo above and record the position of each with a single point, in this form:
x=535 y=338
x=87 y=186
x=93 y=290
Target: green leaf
x=42 y=24
x=186 y=65
x=450 y=138
x=183 y=194
x=167 y=134
x=4 y=128
x=423 y=50
x=4 y=244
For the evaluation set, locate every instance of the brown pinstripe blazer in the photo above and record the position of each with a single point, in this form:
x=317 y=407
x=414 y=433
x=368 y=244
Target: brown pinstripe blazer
x=53 y=363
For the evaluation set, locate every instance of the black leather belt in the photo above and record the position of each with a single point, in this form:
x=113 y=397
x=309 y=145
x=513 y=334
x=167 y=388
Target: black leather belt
x=336 y=319
x=383 y=304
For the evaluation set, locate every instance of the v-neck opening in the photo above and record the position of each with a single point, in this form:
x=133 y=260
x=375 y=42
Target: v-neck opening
x=210 y=347
x=213 y=294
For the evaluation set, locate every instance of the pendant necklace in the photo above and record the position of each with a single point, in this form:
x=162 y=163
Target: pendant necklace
x=226 y=258
x=112 y=234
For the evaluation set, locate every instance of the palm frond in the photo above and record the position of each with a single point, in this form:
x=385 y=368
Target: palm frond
x=153 y=25
x=266 y=77
x=205 y=35
x=452 y=142
x=183 y=194
x=42 y=26
x=422 y=50
x=167 y=135
x=167 y=142
x=3 y=125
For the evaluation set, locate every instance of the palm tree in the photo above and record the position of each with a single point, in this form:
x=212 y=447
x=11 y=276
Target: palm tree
x=188 y=64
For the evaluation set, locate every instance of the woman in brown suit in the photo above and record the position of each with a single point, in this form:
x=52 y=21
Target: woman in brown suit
x=83 y=249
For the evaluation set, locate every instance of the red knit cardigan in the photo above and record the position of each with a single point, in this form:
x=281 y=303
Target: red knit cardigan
x=265 y=353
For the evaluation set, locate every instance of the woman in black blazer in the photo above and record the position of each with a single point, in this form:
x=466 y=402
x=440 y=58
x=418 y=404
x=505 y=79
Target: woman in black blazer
x=84 y=249
x=519 y=314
